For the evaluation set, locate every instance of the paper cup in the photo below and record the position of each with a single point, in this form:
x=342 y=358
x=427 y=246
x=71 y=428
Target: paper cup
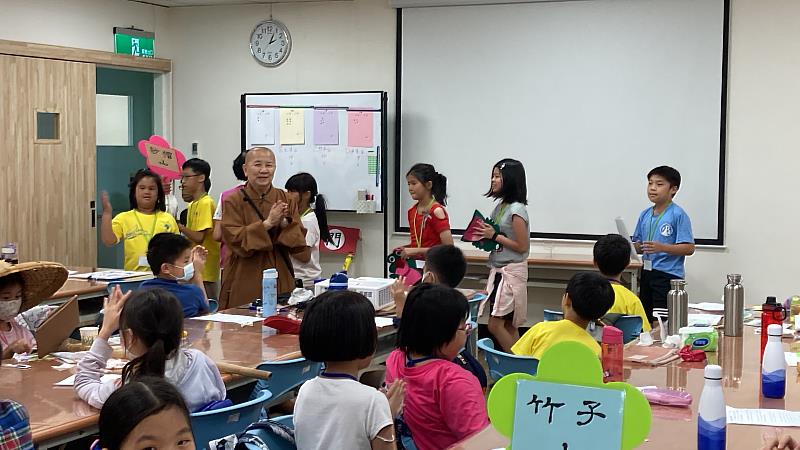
x=88 y=334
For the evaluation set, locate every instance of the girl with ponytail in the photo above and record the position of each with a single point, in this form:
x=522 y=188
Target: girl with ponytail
x=151 y=327
x=313 y=214
x=427 y=219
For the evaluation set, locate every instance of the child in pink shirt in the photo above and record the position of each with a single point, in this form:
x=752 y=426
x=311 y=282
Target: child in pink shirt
x=444 y=403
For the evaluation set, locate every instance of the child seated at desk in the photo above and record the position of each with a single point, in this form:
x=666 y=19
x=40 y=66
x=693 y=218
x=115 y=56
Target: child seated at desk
x=178 y=268
x=23 y=286
x=444 y=403
x=612 y=255
x=151 y=324
x=334 y=410
x=146 y=413
x=588 y=297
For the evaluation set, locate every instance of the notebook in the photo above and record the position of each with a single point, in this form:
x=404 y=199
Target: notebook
x=57 y=327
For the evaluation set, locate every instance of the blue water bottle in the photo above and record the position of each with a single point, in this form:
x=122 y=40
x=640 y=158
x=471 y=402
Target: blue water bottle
x=711 y=420
x=269 y=292
x=773 y=367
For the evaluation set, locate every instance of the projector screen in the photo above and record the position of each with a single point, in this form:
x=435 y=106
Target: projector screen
x=589 y=95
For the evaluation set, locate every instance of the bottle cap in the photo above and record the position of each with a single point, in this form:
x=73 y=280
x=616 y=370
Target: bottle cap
x=612 y=335
x=713 y=372
x=734 y=278
x=270 y=273
x=775 y=329
x=338 y=282
x=771 y=300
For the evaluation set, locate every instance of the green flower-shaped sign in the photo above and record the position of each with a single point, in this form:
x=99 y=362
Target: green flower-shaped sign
x=565 y=372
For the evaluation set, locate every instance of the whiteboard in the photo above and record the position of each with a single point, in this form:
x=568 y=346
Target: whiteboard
x=339 y=138
x=589 y=95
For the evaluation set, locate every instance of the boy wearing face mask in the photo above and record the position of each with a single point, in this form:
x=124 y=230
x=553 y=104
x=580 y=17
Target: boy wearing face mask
x=178 y=266
x=22 y=287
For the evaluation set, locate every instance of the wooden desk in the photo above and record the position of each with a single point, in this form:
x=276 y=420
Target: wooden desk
x=676 y=428
x=58 y=416
x=81 y=288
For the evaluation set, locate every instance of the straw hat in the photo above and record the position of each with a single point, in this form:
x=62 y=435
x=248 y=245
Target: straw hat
x=41 y=279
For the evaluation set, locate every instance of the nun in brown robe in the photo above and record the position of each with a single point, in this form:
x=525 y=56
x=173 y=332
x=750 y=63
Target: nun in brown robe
x=261 y=227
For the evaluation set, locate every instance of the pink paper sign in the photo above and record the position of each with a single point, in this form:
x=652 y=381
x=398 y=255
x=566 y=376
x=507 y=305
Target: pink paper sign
x=359 y=129
x=161 y=158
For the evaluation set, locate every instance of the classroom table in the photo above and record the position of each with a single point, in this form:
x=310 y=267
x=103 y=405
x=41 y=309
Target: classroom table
x=555 y=261
x=58 y=416
x=676 y=428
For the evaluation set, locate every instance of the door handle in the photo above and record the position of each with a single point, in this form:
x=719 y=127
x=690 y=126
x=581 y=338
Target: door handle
x=93 y=213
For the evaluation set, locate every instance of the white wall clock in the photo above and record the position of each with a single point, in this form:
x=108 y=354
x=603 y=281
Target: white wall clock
x=270 y=43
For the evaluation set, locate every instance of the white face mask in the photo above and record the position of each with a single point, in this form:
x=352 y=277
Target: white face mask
x=9 y=309
x=188 y=273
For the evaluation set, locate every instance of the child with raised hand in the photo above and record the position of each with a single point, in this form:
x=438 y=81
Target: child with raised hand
x=444 y=403
x=303 y=188
x=508 y=275
x=178 y=265
x=145 y=219
x=146 y=413
x=588 y=297
x=151 y=327
x=334 y=410
x=428 y=222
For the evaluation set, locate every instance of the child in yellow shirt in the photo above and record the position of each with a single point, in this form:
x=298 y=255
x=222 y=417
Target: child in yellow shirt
x=195 y=183
x=612 y=254
x=588 y=297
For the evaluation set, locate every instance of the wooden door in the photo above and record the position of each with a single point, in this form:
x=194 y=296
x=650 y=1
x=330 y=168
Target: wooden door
x=47 y=185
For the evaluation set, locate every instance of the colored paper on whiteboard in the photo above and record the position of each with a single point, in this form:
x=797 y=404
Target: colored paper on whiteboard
x=293 y=126
x=359 y=129
x=261 y=124
x=326 y=127
x=561 y=416
x=372 y=162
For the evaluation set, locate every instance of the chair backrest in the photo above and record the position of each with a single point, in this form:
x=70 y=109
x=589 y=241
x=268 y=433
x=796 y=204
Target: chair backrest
x=124 y=286
x=631 y=327
x=211 y=425
x=551 y=316
x=474 y=304
x=287 y=375
x=501 y=363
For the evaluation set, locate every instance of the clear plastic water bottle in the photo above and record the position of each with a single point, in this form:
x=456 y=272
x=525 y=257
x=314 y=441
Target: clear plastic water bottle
x=711 y=417
x=269 y=292
x=773 y=366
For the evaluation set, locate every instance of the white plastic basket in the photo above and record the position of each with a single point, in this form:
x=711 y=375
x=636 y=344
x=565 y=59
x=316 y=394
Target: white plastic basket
x=377 y=290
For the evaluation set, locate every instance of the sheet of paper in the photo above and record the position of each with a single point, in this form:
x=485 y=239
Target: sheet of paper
x=70 y=380
x=708 y=306
x=381 y=322
x=791 y=359
x=769 y=417
x=360 y=129
x=622 y=229
x=108 y=275
x=326 y=127
x=293 y=126
x=230 y=318
x=704 y=320
x=261 y=126
x=71 y=272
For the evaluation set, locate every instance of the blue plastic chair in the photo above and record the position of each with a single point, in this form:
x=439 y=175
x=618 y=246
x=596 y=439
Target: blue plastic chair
x=552 y=316
x=474 y=304
x=472 y=338
x=286 y=376
x=211 y=425
x=213 y=306
x=502 y=363
x=631 y=327
x=124 y=286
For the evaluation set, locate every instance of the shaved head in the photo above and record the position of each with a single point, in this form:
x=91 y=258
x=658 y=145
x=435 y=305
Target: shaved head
x=259 y=167
x=260 y=151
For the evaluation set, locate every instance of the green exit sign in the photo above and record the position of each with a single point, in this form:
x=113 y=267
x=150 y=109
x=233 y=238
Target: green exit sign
x=130 y=41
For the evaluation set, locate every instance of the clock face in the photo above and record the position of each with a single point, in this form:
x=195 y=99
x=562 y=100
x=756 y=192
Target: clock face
x=270 y=43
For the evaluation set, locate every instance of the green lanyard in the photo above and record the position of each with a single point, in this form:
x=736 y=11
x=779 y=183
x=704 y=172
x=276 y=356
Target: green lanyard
x=418 y=236
x=308 y=210
x=500 y=213
x=147 y=237
x=658 y=221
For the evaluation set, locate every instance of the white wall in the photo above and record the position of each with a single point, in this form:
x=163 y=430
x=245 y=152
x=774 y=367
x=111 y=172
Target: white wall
x=336 y=46
x=77 y=23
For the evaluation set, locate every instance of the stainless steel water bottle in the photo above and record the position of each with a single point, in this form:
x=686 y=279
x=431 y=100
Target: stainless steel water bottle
x=677 y=306
x=734 y=305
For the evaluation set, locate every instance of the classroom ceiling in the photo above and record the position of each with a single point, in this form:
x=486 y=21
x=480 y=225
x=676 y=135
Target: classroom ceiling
x=185 y=3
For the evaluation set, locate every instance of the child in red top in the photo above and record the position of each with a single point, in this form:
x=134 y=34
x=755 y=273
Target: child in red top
x=427 y=220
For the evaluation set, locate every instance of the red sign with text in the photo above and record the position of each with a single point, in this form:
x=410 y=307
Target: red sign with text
x=344 y=240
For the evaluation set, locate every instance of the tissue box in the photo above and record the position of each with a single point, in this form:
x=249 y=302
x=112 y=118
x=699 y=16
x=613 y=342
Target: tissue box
x=377 y=290
x=700 y=338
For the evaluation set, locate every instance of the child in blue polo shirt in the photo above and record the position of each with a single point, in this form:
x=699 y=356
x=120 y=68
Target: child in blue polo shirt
x=177 y=265
x=664 y=238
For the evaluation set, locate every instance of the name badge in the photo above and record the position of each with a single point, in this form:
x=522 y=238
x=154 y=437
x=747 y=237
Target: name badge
x=143 y=261
x=648 y=264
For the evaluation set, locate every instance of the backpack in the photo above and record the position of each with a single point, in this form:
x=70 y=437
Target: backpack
x=468 y=362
